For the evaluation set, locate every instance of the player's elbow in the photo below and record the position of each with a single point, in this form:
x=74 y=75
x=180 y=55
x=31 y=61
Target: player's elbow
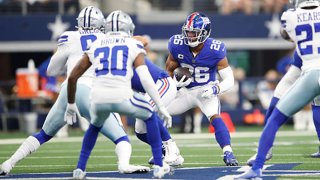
x=72 y=79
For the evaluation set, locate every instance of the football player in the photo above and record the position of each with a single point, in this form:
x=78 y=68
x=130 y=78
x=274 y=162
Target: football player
x=113 y=57
x=204 y=57
x=70 y=49
x=302 y=28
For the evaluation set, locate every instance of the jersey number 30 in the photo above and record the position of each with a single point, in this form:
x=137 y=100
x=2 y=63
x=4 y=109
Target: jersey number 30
x=113 y=60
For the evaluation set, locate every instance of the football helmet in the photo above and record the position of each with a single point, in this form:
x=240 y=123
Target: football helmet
x=304 y=3
x=119 y=21
x=90 y=18
x=196 y=29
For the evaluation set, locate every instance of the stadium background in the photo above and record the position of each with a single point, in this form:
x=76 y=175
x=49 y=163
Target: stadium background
x=249 y=28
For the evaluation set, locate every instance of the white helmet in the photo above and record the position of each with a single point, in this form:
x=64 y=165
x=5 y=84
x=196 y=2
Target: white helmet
x=304 y=3
x=118 y=21
x=90 y=18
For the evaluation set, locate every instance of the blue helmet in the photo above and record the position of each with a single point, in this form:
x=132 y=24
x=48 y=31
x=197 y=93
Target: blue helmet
x=196 y=29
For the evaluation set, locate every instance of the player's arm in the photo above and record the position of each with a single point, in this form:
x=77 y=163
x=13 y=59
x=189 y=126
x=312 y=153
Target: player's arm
x=59 y=59
x=226 y=75
x=285 y=35
x=171 y=64
x=150 y=87
x=76 y=73
x=142 y=39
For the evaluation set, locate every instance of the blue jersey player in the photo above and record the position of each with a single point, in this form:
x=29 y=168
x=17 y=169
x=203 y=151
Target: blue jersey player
x=302 y=31
x=204 y=57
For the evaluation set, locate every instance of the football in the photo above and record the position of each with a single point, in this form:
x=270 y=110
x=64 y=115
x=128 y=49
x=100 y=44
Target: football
x=180 y=72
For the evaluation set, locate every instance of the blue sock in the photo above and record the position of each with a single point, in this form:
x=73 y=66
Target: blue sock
x=165 y=136
x=272 y=105
x=276 y=120
x=143 y=137
x=89 y=140
x=154 y=139
x=221 y=132
x=316 y=118
x=123 y=138
x=42 y=137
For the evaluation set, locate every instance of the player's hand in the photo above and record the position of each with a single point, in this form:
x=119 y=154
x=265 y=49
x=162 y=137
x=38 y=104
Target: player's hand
x=164 y=114
x=71 y=114
x=180 y=83
x=208 y=91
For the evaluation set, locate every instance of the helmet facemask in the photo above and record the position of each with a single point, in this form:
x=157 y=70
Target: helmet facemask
x=196 y=29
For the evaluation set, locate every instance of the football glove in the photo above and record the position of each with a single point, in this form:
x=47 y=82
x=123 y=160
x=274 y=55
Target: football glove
x=71 y=114
x=208 y=91
x=180 y=83
x=164 y=114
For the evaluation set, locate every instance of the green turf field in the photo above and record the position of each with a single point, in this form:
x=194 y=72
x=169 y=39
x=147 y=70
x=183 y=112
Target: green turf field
x=61 y=155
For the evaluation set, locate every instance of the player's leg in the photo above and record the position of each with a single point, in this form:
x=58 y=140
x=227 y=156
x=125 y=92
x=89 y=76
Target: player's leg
x=99 y=113
x=113 y=130
x=53 y=123
x=298 y=96
x=167 y=91
x=316 y=121
x=211 y=108
x=272 y=105
x=138 y=107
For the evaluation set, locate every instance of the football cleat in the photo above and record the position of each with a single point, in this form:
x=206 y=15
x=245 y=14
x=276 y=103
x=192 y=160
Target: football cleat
x=252 y=160
x=229 y=159
x=172 y=154
x=78 y=174
x=130 y=169
x=316 y=155
x=5 y=168
x=250 y=174
x=160 y=172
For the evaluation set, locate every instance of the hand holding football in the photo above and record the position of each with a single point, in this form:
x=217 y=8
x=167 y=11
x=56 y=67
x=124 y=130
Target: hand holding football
x=180 y=72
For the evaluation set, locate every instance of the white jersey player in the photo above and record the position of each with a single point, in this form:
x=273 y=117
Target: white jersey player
x=113 y=57
x=302 y=26
x=70 y=49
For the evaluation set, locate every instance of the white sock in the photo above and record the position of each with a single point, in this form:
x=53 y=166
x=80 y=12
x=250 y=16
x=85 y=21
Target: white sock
x=197 y=118
x=227 y=148
x=123 y=151
x=30 y=145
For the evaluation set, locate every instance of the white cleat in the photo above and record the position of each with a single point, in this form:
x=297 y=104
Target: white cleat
x=160 y=172
x=130 y=169
x=250 y=174
x=172 y=154
x=78 y=174
x=5 y=168
x=252 y=160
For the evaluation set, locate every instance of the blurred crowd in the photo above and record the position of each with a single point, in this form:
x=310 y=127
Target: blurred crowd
x=225 y=7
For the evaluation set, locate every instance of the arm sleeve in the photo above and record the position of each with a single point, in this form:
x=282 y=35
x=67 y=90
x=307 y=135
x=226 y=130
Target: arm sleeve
x=287 y=81
x=227 y=77
x=58 y=61
x=148 y=84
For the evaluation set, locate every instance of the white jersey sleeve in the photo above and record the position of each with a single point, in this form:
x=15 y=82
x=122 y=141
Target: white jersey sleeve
x=59 y=59
x=287 y=23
